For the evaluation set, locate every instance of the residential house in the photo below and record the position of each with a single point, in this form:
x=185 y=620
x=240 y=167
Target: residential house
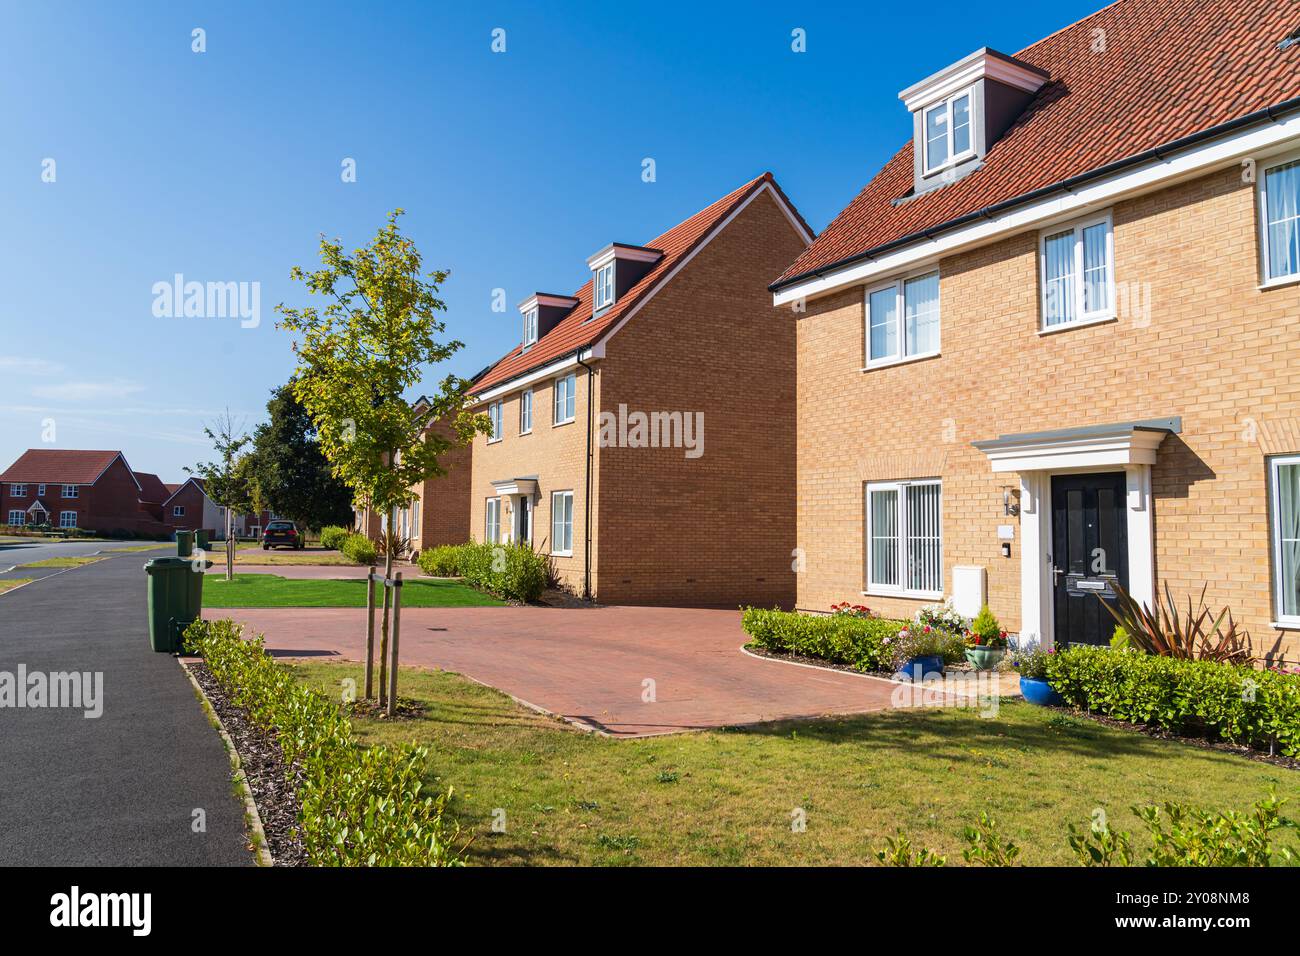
x=89 y=490
x=188 y=508
x=644 y=426
x=1054 y=344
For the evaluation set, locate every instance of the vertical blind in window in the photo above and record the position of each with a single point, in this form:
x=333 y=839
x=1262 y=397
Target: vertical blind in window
x=905 y=539
x=1058 y=299
x=562 y=521
x=1286 y=533
x=1282 y=220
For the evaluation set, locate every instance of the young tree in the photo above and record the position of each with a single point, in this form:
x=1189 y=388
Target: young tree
x=226 y=480
x=292 y=473
x=357 y=355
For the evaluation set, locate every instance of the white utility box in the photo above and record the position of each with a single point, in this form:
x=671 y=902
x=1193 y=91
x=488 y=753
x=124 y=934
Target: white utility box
x=969 y=590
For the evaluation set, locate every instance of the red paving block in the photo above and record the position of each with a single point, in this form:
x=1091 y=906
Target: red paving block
x=588 y=665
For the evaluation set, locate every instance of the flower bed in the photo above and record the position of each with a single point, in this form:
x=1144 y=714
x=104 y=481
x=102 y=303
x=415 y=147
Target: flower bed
x=360 y=806
x=1229 y=702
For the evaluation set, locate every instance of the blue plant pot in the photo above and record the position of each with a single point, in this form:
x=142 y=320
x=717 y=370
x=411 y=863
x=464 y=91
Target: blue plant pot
x=1038 y=691
x=919 y=668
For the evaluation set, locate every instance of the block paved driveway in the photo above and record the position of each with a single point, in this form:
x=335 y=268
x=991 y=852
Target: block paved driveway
x=119 y=789
x=588 y=664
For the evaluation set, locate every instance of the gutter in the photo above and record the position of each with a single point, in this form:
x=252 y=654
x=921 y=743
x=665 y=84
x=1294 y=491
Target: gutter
x=586 y=498
x=1157 y=154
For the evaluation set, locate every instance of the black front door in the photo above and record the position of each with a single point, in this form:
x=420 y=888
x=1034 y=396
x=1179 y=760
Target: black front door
x=1089 y=554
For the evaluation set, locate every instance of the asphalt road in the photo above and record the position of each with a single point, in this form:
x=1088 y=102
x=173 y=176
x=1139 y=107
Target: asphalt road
x=122 y=788
x=25 y=552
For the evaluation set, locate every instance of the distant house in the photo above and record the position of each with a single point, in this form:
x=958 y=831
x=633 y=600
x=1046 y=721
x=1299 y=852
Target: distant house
x=188 y=508
x=91 y=490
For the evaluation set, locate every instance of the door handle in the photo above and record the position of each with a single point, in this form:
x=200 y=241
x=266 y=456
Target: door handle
x=1056 y=574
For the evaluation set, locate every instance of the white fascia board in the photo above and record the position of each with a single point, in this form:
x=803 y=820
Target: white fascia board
x=536 y=375
x=1124 y=447
x=978 y=65
x=598 y=351
x=547 y=299
x=1258 y=144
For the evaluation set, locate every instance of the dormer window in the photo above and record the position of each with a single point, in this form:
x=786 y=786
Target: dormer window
x=961 y=111
x=948 y=132
x=605 y=286
x=530 y=327
x=616 y=270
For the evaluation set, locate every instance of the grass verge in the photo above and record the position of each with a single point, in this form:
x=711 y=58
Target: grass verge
x=729 y=797
x=271 y=590
x=68 y=562
x=8 y=584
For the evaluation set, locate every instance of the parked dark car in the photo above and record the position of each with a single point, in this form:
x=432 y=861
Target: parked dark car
x=281 y=534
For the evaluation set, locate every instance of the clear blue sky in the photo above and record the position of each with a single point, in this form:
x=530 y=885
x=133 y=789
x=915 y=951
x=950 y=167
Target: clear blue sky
x=513 y=167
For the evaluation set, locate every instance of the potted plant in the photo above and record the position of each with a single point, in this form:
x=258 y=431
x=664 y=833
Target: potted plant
x=917 y=652
x=1032 y=665
x=986 y=642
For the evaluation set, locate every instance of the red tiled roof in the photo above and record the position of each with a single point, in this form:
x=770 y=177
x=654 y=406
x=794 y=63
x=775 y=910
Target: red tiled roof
x=59 y=466
x=1169 y=70
x=151 y=487
x=578 y=329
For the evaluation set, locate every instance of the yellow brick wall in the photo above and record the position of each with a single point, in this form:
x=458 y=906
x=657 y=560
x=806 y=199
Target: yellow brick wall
x=554 y=453
x=1216 y=349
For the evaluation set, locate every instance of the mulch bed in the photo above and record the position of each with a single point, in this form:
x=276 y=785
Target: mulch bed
x=406 y=709
x=274 y=790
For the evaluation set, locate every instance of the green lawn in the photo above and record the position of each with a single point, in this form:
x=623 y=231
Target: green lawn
x=270 y=590
x=726 y=798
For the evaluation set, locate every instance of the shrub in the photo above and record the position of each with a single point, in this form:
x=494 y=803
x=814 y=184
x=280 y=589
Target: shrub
x=1195 y=837
x=985 y=631
x=513 y=571
x=859 y=642
x=1232 y=702
x=359 y=548
x=332 y=536
x=444 y=561
x=360 y=806
x=1197 y=635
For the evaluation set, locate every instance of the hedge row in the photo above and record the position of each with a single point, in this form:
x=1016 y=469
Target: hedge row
x=512 y=571
x=841 y=639
x=1234 y=703
x=361 y=806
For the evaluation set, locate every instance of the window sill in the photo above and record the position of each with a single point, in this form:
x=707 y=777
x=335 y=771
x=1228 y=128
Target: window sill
x=522 y=434
x=567 y=421
x=1078 y=324
x=1279 y=282
x=949 y=163
x=1286 y=625
x=904 y=360
x=495 y=441
x=909 y=595
x=561 y=554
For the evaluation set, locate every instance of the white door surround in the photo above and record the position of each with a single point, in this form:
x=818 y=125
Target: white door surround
x=1129 y=447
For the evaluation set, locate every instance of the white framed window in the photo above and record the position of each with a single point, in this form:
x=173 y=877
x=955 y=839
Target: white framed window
x=562 y=523
x=17 y=518
x=525 y=411
x=492 y=521
x=67 y=519
x=565 y=389
x=903 y=319
x=494 y=416
x=1279 y=213
x=1078 y=273
x=18 y=491
x=415 y=518
x=71 y=491
x=530 y=327
x=40 y=491
x=178 y=511
x=905 y=538
x=1284 y=479
x=948 y=132
x=604 y=293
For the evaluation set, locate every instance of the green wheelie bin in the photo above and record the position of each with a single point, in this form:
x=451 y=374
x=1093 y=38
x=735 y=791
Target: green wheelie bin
x=184 y=544
x=175 y=601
